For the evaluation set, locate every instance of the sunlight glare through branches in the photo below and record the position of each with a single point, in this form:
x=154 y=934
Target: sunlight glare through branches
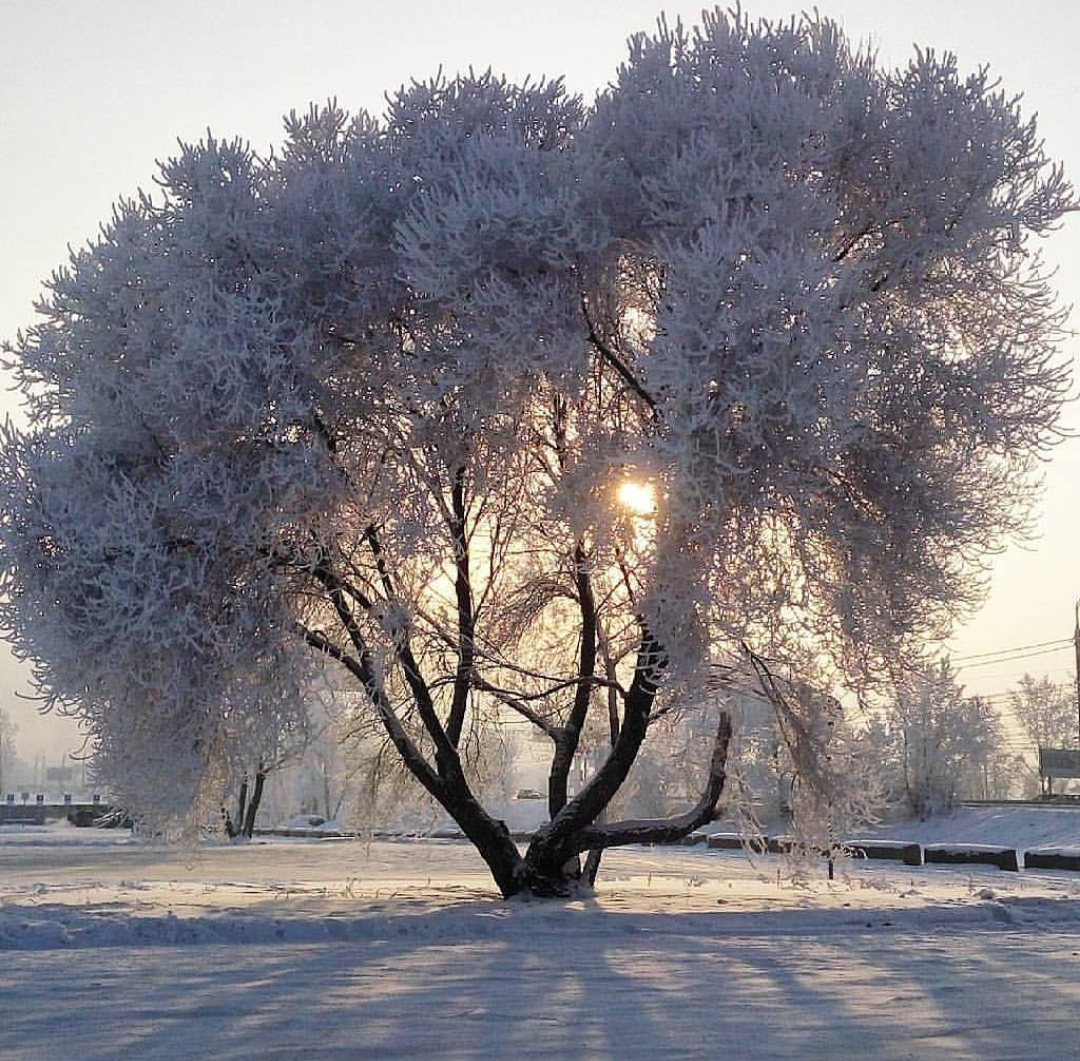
x=639 y=498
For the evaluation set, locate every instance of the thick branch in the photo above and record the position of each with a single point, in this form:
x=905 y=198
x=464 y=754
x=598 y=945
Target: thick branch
x=616 y=362
x=491 y=837
x=610 y=670
x=667 y=830
x=446 y=757
x=569 y=736
x=466 y=618
x=553 y=844
x=587 y=655
x=363 y=668
x=371 y=536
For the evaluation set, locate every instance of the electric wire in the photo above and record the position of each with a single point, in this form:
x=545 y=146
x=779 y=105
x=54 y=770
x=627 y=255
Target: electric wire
x=1011 y=659
x=1010 y=651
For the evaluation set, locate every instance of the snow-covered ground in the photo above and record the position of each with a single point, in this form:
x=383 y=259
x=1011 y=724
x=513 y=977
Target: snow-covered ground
x=1024 y=827
x=297 y=949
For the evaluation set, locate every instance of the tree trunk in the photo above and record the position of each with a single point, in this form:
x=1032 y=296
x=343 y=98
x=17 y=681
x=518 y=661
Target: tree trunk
x=553 y=845
x=230 y=829
x=241 y=811
x=592 y=864
x=540 y=872
x=489 y=835
x=253 y=805
x=551 y=866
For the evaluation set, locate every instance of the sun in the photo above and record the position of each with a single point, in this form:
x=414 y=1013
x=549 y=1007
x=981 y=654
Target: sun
x=639 y=498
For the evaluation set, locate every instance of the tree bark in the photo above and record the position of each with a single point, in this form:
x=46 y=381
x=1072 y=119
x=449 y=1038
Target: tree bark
x=592 y=860
x=668 y=830
x=253 y=804
x=466 y=615
x=553 y=845
x=541 y=869
x=241 y=805
x=568 y=737
x=448 y=784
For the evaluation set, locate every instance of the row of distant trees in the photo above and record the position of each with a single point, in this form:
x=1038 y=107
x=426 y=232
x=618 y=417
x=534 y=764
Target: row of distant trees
x=938 y=745
x=923 y=751
x=920 y=753
x=931 y=744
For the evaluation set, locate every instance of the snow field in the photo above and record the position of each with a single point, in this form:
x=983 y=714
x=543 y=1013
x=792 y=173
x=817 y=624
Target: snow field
x=333 y=949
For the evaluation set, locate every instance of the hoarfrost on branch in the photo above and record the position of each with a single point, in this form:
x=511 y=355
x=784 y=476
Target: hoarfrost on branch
x=369 y=405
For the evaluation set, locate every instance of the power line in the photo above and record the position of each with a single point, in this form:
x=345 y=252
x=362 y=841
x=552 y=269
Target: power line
x=1009 y=651
x=1013 y=659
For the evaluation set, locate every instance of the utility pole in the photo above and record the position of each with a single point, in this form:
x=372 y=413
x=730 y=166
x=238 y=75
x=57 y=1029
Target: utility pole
x=1076 y=645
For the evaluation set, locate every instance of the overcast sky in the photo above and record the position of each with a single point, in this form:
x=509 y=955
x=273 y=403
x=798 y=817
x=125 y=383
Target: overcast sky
x=93 y=91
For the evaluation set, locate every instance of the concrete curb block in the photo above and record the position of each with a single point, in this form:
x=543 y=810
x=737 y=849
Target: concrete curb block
x=1005 y=858
x=896 y=851
x=1050 y=858
x=724 y=841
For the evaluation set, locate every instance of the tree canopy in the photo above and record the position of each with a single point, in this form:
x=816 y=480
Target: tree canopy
x=1046 y=711
x=369 y=403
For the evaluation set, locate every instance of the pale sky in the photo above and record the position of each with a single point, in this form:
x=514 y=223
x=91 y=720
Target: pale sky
x=93 y=91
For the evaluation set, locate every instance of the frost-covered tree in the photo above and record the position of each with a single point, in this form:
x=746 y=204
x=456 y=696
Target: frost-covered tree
x=1046 y=710
x=503 y=403
x=947 y=745
x=8 y=732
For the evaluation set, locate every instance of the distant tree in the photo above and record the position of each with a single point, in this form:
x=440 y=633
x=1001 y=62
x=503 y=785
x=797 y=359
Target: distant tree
x=947 y=745
x=8 y=732
x=987 y=769
x=1046 y=711
x=505 y=404
x=1047 y=714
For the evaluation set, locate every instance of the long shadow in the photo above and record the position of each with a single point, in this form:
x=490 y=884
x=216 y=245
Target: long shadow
x=482 y=979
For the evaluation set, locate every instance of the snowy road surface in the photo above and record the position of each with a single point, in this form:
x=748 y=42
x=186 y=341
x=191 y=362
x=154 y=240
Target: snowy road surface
x=296 y=950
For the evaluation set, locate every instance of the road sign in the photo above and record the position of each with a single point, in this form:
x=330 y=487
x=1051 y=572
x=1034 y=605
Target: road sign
x=1059 y=762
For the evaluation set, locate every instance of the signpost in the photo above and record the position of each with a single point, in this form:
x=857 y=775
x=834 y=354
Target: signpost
x=1058 y=762
x=1076 y=645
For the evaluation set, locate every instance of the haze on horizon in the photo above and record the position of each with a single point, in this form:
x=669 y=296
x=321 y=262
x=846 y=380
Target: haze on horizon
x=94 y=92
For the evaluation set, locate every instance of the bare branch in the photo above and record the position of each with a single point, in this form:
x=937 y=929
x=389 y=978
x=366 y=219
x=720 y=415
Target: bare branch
x=616 y=362
x=668 y=830
x=518 y=704
x=364 y=669
x=464 y=598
